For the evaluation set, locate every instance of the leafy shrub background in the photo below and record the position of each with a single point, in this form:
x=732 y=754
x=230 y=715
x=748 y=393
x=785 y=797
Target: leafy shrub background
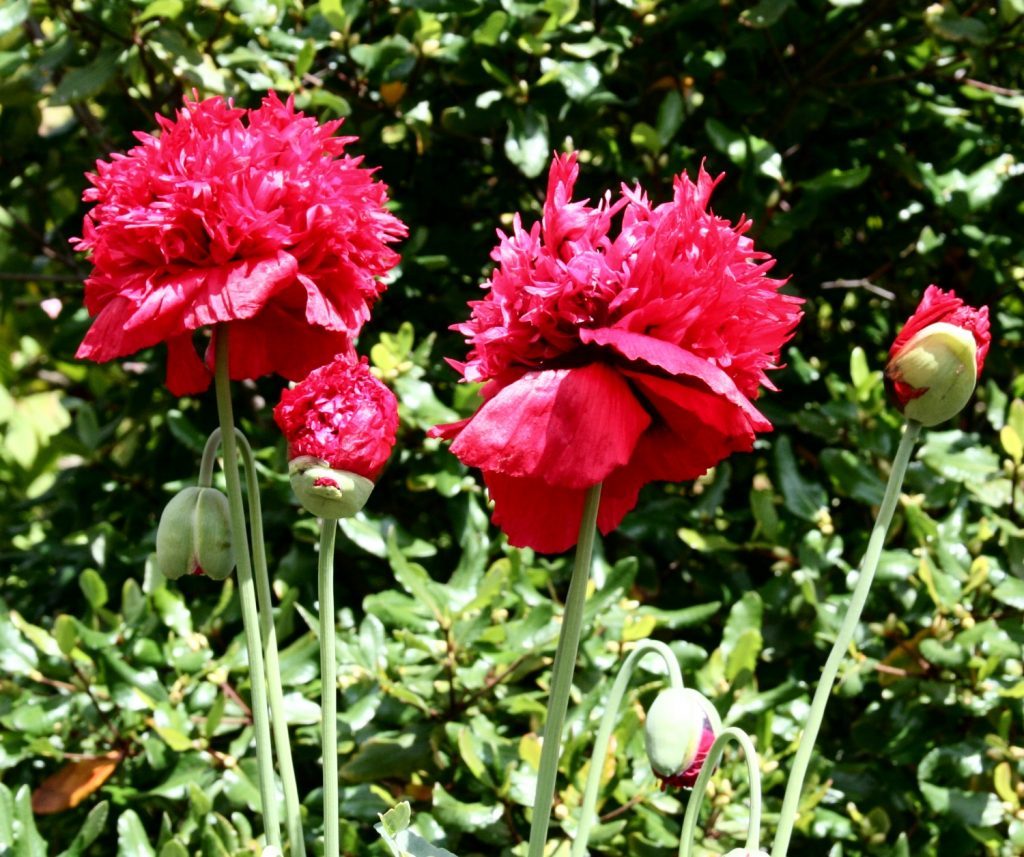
x=877 y=147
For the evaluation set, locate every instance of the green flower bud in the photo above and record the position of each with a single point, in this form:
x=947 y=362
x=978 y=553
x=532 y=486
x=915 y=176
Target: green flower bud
x=194 y=536
x=935 y=372
x=679 y=733
x=743 y=852
x=326 y=492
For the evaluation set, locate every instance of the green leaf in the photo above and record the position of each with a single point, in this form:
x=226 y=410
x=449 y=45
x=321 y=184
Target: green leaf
x=1010 y=592
x=959 y=457
x=28 y=841
x=389 y=754
x=13 y=15
x=741 y=639
x=166 y=9
x=837 y=179
x=526 y=142
x=93 y=587
x=93 y=826
x=466 y=817
x=17 y=656
x=746 y=150
x=6 y=816
x=79 y=84
x=851 y=477
x=1012 y=443
x=402 y=842
x=800 y=495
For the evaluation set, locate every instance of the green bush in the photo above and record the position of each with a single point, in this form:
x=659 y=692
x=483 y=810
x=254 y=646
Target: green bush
x=877 y=148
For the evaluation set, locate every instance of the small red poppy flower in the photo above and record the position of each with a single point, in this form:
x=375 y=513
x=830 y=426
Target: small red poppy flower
x=340 y=423
x=615 y=359
x=937 y=357
x=253 y=219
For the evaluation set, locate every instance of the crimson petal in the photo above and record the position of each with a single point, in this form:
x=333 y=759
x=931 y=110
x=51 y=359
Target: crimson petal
x=569 y=427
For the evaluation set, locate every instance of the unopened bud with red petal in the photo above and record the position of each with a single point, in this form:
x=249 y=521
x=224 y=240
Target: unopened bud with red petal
x=325 y=491
x=340 y=422
x=679 y=731
x=194 y=535
x=937 y=357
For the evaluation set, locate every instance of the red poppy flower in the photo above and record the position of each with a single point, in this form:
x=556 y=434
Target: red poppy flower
x=251 y=218
x=937 y=357
x=342 y=415
x=618 y=360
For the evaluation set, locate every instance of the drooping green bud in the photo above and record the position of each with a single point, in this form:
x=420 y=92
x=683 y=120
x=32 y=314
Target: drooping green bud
x=194 y=535
x=326 y=492
x=935 y=372
x=678 y=733
x=743 y=852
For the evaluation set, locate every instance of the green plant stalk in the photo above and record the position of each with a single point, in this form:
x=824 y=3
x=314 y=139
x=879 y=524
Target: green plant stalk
x=278 y=721
x=328 y=686
x=604 y=733
x=247 y=595
x=753 y=842
x=561 y=675
x=794 y=788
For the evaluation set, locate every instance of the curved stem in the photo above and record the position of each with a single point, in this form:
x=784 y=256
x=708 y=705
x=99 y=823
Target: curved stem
x=753 y=842
x=561 y=675
x=328 y=686
x=278 y=721
x=210 y=458
x=604 y=733
x=247 y=596
x=794 y=788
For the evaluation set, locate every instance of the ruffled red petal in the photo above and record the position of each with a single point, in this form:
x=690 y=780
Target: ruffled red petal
x=570 y=427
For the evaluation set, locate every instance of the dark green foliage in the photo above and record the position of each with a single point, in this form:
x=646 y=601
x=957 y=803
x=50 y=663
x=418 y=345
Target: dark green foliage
x=877 y=148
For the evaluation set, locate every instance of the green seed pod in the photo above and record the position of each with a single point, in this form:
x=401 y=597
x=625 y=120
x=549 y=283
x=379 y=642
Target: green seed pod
x=935 y=373
x=678 y=733
x=325 y=492
x=194 y=536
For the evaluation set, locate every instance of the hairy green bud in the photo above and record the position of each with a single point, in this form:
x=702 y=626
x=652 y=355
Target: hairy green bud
x=194 y=535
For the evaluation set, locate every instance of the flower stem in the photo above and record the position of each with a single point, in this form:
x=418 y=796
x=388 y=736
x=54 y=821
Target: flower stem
x=561 y=675
x=604 y=732
x=278 y=721
x=753 y=842
x=247 y=595
x=794 y=788
x=328 y=686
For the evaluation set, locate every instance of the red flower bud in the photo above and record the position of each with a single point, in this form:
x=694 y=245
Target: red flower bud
x=679 y=732
x=340 y=423
x=937 y=357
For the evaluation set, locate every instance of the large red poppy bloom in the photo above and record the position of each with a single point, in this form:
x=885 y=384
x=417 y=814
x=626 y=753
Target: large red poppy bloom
x=251 y=218
x=618 y=360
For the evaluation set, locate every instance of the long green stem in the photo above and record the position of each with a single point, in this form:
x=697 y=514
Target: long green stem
x=278 y=721
x=247 y=596
x=753 y=842
x=794 y=788
x=328 y=686
x=561 y=675
x=604 y=733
